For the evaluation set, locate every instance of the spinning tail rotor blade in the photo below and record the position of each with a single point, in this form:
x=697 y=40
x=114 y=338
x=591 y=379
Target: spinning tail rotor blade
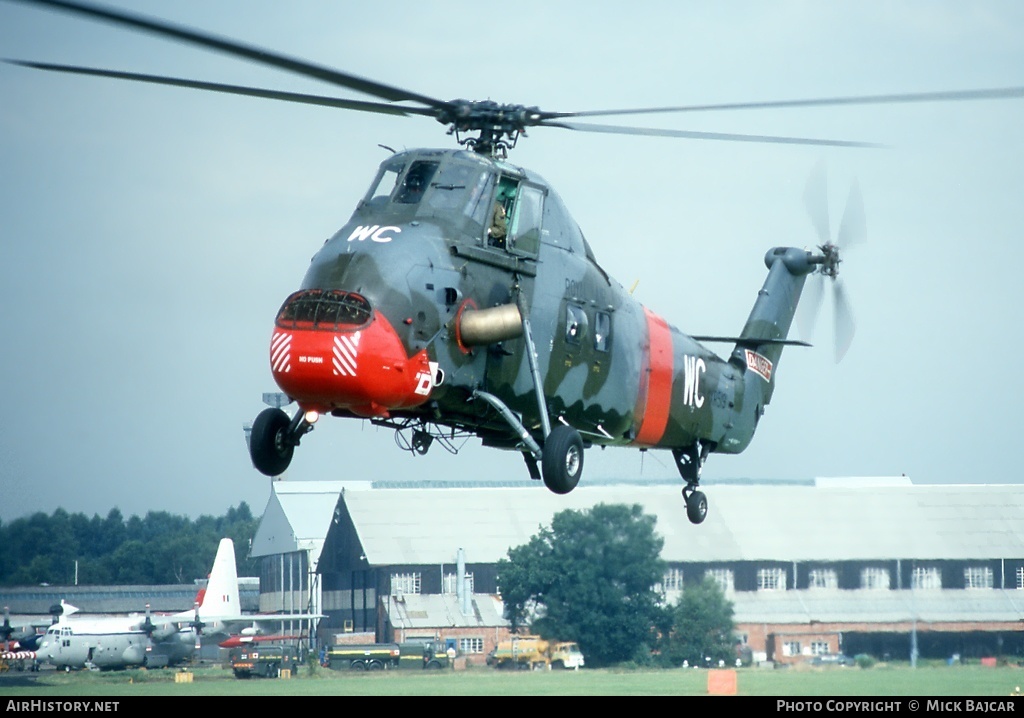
x=852 y=227
x=852 y=231
x=816 y=202
x=844 y=324
x=810 y=305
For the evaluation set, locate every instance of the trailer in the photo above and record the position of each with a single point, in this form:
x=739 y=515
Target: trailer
x=385 y=656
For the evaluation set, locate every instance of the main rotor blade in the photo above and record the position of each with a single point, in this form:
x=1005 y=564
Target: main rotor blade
x=380 y=107
x=852 y=227
x=997 y=93
x=696 y=135
x=237 y=49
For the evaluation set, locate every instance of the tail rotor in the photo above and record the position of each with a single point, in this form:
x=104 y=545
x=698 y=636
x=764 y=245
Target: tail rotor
x=851 y=232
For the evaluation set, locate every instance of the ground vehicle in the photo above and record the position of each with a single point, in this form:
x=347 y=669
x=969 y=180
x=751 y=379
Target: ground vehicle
x=832 y=659
x=381 y=656
x=265 y=661
x=534 y=652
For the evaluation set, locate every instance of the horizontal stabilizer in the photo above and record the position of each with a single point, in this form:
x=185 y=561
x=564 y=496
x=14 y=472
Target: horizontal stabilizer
x=751 y=341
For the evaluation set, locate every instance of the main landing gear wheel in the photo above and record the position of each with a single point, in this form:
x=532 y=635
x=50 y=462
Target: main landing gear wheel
x=562 y=459
x=269 y=444
x=696 y=505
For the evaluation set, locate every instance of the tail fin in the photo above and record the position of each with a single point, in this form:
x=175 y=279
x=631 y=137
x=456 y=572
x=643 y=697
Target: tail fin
x=221 y=595
x=760 y=344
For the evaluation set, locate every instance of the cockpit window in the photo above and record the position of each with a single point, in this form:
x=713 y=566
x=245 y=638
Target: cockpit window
x=323 y=309
x=384 y=185
x=416 y=181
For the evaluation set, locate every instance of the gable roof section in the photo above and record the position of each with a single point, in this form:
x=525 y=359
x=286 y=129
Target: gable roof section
x=296 y=518
x=752 y=522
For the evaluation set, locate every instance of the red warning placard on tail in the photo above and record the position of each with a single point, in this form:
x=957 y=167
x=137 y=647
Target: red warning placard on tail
x=759 y=364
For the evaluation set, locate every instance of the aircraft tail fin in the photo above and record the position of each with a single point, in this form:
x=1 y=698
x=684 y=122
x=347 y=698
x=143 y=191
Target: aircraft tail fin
x=760 y=344
x=221 y=595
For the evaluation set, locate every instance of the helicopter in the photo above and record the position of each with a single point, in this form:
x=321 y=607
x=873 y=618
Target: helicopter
x=422 y=315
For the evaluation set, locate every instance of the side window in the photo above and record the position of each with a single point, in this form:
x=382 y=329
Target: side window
x=524 y=233
x=575 y=324
x=602 y=330
x=505 y=201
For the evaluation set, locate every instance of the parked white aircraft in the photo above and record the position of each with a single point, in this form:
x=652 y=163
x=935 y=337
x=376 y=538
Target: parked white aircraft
x=156 y=641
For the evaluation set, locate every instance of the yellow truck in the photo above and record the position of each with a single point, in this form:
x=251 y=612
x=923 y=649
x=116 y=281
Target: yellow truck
x=535 y=653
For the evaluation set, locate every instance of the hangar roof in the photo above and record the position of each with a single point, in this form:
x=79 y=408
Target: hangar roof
x=830 y=522
x=432 y=611
x=297 y=516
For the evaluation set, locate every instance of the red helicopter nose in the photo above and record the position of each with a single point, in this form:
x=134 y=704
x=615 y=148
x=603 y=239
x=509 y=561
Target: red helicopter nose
x=330 y=350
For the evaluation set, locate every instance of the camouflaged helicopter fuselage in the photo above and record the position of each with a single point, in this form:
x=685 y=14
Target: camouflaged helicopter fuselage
x=609 y=367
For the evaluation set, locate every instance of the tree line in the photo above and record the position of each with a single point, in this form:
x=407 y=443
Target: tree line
x=158 y=548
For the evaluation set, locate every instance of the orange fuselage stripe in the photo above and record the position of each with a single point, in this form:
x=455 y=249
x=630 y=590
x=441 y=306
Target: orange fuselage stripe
x=658 y=381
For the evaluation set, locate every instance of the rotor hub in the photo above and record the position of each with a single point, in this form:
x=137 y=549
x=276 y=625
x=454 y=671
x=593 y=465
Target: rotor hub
x=829 y=260
x=498 y=124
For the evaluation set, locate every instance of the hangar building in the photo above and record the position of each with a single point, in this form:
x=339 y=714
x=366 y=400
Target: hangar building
x=882 y=567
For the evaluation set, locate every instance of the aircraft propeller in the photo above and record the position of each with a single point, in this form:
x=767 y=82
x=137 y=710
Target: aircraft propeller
x=197 y=624
x=851 y=232
x=7 y=630
x=498 y=124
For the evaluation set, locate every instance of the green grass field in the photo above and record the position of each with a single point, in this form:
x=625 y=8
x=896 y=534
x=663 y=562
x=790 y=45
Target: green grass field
x=879 y=680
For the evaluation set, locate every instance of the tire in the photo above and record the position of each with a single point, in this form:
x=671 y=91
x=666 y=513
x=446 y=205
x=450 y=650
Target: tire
x=696 y=507
x=269 y=448
x=434 y=666
x=376 y=666
x=562 y=459
x=357 y=666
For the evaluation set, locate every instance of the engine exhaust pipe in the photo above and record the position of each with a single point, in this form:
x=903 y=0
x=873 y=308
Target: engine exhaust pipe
x=487 y=326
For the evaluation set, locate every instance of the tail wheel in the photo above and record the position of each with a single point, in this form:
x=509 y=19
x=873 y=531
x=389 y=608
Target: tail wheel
x=696 y=507
x=269 y=445
x=562 y=459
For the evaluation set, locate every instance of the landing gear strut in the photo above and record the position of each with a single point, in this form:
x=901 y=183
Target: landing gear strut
x=273 y=439
x=689 y=461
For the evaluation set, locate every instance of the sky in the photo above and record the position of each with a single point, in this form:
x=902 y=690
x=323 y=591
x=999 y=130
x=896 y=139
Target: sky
x=150 y=234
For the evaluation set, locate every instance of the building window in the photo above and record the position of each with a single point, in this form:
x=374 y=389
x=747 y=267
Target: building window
x=471 y=645
x=823 y=578
x=978 y=577
x=791 y=648
x=673 y=580
x=819 y=648
x=1020 y=577
x=721 y=576
x=926 y=577
x=402 y=583
x=874 y=577
x=771 y=579
x=451 y=583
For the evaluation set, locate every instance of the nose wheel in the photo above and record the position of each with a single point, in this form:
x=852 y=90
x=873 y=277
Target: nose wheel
x=273 y=439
